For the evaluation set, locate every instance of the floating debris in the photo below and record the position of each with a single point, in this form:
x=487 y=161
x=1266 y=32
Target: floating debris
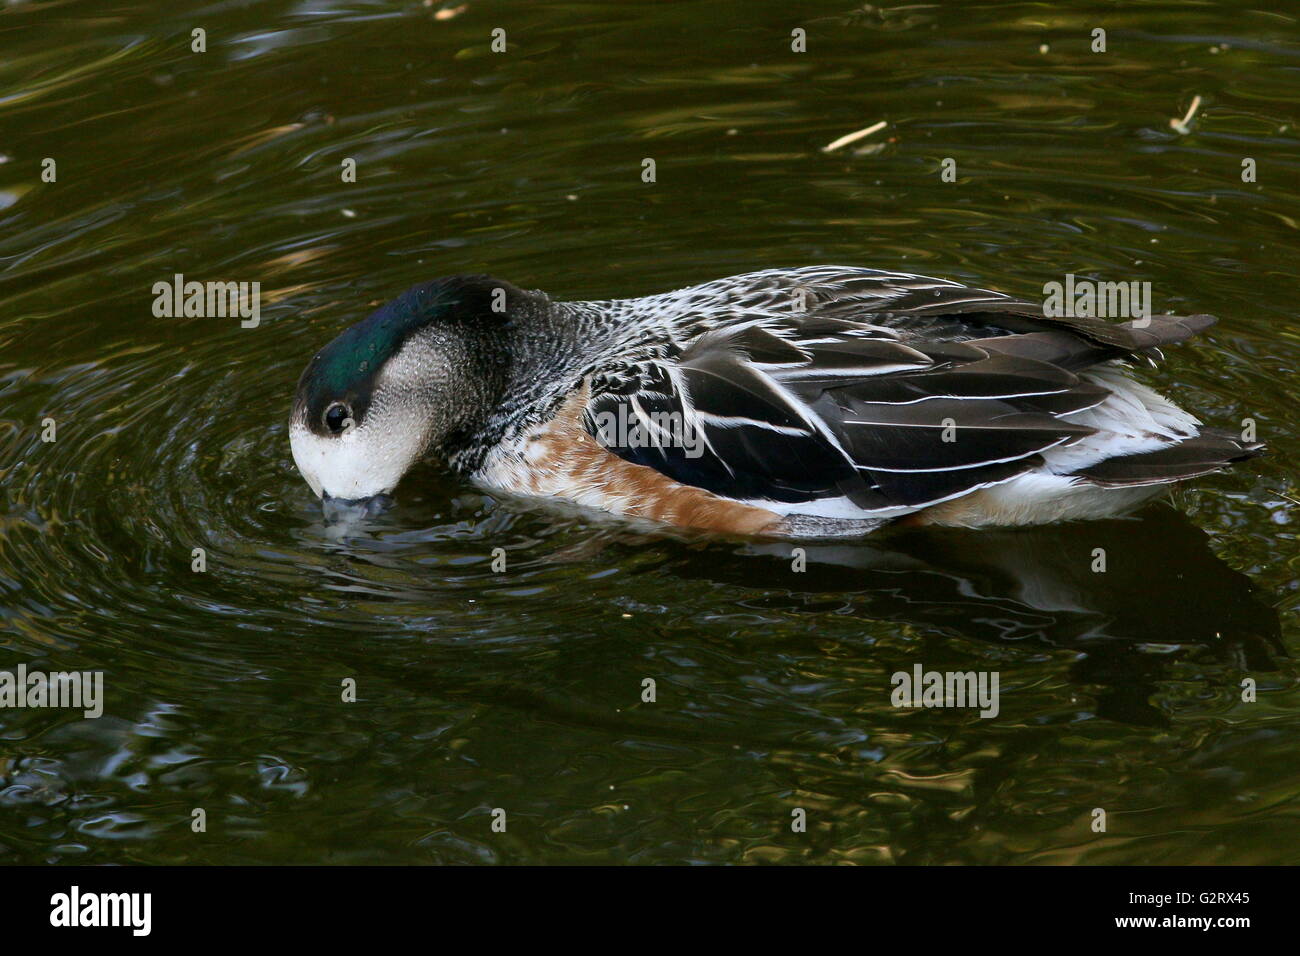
x=446 y=13
x=854 y=137
x=1180 y=125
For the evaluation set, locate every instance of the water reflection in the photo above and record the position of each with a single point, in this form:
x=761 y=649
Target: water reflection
x=1162 y=591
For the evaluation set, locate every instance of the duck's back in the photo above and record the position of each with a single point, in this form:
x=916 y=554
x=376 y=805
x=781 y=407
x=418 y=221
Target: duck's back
x=838 y=399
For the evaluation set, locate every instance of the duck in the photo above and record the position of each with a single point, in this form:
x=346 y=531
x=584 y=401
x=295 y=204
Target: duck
x=822 y=401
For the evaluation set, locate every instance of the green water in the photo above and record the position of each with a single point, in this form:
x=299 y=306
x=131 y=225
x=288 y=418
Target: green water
x=522 y=690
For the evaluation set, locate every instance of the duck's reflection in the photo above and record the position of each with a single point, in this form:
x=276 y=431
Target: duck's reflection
x=1162 y=589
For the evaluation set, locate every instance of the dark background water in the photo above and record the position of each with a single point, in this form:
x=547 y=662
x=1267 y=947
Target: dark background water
x=522 y=690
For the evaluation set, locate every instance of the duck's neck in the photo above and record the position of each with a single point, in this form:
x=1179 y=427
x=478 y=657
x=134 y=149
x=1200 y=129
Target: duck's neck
x=552 y=347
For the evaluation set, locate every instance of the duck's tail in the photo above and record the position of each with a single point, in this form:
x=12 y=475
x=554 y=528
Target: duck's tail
x=1091 y=343
x=1210 y=451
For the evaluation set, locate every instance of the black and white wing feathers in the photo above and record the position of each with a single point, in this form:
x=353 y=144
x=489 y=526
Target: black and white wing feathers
x=890 y=392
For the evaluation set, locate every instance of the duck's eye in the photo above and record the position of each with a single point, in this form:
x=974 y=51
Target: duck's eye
x=337 y=417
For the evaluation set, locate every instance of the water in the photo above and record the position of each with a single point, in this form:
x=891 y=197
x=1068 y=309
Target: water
x=522 y=690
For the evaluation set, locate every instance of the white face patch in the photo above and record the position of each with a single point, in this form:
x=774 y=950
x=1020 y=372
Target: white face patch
x=364 y=460
x=370 y=458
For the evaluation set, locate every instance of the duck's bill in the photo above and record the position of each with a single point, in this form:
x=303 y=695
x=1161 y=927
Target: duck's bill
x=347 y=510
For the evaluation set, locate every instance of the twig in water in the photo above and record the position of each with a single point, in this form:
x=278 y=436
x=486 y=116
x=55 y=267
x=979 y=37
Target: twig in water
x=854 y=137
x=1181 y=124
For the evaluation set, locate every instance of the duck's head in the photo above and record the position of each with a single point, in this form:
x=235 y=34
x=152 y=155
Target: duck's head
x=418 y=376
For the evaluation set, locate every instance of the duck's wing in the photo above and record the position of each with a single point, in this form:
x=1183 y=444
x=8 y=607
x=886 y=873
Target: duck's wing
x=800 y=408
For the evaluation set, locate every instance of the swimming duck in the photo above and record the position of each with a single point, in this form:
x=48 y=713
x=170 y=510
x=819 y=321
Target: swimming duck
x=824 y=400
